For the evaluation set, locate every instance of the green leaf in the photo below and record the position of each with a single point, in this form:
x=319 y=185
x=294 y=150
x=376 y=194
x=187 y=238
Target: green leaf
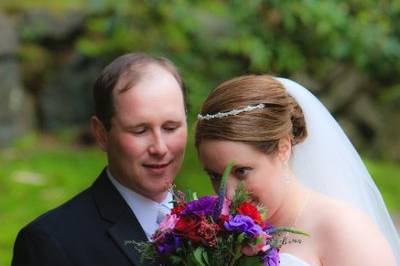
x=290 y=230
x=227 y=171
x=175 y=260
x=250 y=261
x=189 y=195
x=197 y=257
x=240 y=238
x=241 y=195
x=205 y=257
x=195 y=197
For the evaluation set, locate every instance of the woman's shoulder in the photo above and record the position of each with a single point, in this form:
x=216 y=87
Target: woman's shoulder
x=336 y=214
x=346 y=235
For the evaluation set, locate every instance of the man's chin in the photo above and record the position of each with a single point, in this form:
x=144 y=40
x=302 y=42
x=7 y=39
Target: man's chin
x=161 y=183
x=158 y=196
x=168 y=183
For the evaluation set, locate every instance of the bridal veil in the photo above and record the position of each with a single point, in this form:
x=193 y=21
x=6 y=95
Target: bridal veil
x=327 y=162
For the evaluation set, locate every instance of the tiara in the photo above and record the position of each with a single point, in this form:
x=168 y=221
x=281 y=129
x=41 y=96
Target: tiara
x=231 y=113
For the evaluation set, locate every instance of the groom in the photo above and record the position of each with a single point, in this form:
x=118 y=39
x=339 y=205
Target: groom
x=140 y=123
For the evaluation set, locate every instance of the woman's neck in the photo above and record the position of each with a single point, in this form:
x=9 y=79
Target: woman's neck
x=292 y=206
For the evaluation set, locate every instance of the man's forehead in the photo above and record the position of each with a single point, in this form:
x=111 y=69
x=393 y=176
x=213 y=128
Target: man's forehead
x=146 y=72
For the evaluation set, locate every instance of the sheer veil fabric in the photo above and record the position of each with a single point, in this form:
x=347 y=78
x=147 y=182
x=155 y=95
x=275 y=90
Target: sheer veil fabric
x=328 y=163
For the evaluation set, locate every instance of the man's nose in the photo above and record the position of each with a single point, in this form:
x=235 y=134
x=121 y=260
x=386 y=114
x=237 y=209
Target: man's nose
x=158 y=146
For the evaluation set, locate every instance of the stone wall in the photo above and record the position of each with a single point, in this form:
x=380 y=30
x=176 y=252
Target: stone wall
x=15 y=115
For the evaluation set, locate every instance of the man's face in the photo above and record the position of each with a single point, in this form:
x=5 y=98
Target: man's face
x=146 y=143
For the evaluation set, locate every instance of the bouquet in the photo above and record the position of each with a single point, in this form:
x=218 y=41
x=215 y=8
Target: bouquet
x=215 y=231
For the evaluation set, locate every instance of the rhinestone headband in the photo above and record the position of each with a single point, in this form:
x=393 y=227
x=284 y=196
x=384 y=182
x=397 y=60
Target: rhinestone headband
x=230 y=113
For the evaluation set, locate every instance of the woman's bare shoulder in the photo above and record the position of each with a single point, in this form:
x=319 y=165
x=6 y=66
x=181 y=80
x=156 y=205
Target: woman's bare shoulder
x=347 y=236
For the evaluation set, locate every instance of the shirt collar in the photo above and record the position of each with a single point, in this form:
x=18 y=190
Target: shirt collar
x=145 y=209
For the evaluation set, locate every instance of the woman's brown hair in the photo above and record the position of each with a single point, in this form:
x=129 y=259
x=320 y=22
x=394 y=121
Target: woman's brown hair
x=261 y=128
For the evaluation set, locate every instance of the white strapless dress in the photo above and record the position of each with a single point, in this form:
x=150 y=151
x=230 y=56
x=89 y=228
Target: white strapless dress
x=290 y=260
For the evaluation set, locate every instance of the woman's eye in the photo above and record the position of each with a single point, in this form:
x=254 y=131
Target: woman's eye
x=242 y=172
x=215 y=177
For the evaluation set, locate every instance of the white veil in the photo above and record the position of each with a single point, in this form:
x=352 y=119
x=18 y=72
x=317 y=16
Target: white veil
x=327 y=162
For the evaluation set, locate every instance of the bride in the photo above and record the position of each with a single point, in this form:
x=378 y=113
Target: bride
x=295 y=159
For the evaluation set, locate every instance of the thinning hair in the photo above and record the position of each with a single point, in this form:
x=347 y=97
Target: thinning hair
x=121 y=75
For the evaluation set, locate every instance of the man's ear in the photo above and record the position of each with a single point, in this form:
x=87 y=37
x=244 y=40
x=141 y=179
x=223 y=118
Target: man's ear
x=99 y=132
x=284 y=148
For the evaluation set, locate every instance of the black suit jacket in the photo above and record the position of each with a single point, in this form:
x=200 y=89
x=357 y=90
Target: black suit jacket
x=89 y=229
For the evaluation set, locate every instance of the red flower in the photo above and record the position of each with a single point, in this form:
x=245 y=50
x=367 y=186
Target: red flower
x=222 y=219
x=250 y=210
x=187 y=228
x=208 y=232
x=178 y=209
x=198 y=230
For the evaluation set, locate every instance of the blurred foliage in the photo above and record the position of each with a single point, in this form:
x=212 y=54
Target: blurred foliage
x=214 y=40
x=386 y=175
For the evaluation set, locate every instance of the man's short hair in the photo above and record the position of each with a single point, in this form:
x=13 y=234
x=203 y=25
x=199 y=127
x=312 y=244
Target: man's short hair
x=124 y=72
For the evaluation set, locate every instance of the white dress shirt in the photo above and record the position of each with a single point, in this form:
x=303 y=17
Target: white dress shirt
x=147 y=211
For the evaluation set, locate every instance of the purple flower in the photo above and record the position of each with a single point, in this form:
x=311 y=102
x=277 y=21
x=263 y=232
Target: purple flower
x=202 y=206
x=269 y=228
x=271 y=258
x=169 y=244
x=243 y=223
x=221 y=193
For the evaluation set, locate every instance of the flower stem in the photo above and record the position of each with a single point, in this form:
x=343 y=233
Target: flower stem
x=236 y=256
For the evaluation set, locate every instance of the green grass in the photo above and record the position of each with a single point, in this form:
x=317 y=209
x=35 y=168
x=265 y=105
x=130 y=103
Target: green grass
x=39 y=173
x=386 y=176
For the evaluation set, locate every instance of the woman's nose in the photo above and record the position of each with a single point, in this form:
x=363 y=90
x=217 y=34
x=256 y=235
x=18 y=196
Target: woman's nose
x=231 y=185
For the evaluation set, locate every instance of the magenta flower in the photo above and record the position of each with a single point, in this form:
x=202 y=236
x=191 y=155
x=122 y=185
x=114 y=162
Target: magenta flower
x=226 y=207
x=168 y=223
x=259 y=245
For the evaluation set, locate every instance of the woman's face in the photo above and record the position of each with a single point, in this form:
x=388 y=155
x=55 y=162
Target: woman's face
x=261 y=174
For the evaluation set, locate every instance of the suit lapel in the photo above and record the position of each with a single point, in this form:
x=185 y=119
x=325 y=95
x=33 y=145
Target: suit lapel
x=113 y=208
x=127 y=229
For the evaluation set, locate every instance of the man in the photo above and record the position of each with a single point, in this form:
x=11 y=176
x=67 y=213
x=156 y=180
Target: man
x=140 y=123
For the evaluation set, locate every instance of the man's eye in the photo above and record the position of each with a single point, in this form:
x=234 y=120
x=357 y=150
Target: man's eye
x=242 y=172
x=170 y=128
x=139 y=131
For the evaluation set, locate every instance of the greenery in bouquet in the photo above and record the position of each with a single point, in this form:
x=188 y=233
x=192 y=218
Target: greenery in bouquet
x=216 y=231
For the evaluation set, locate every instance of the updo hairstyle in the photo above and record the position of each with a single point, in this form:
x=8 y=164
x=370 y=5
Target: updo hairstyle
x=261 y=128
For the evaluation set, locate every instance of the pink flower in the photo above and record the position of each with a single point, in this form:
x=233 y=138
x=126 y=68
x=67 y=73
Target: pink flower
x=168 y=223
x=226 y=206
x=261 y=242
x=260 y=245
x=249 y=250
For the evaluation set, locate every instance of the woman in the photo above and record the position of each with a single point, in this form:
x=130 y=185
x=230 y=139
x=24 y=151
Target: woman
x=300 y=166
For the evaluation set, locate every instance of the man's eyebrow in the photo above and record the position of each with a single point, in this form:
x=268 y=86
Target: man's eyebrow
x=133 y=126
x=172 y=122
